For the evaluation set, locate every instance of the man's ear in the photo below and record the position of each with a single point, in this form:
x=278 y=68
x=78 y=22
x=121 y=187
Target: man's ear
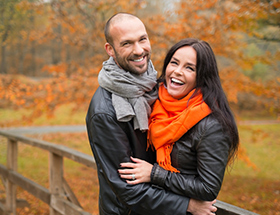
x=109 y=49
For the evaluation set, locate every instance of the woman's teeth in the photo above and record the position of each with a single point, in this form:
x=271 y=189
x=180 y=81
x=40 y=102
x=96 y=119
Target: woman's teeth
x=176 y=81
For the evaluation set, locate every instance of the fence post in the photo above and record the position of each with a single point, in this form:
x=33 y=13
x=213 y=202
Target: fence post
x=12 y=153
x=55 y=178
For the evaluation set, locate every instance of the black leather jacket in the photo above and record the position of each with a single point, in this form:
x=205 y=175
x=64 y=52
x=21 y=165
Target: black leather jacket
x=201 y=156
x=113 y=142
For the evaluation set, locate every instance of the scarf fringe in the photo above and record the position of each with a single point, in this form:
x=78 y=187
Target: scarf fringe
x=164 y=160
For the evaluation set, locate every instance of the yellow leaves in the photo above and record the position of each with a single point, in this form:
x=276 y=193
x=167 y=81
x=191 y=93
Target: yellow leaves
x=232 y=83
x=43 y=97
x=56 y=70
x=129 y=6
x=243 y=155
x=24 y=5
x=276 y=4
x=235 y=83
x=210 y=4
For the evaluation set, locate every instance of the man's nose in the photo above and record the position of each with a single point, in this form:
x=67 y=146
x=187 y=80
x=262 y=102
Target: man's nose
x=138 y=49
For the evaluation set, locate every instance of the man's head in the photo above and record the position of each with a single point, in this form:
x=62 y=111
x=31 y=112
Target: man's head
x=128 y=42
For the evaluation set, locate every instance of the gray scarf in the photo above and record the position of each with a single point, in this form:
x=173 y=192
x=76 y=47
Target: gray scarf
x=132 y=94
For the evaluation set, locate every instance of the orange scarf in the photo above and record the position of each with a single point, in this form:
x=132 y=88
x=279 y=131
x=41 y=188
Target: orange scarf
x=170 y=120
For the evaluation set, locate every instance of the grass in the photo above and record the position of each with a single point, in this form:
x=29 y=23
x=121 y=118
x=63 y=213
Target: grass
x=261 y=143
x=255 y=189
x=63 y=115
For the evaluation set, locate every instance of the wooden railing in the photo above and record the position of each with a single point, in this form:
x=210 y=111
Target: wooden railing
x=58 y=187
x=55 y=196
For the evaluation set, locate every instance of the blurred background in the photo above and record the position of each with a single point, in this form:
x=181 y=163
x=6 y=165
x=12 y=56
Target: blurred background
x=52 y=50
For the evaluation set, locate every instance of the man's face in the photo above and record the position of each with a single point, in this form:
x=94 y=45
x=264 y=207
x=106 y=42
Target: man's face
x=131 y=47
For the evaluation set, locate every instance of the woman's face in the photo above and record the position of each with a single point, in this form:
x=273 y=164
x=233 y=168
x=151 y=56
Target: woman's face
x=180 y=73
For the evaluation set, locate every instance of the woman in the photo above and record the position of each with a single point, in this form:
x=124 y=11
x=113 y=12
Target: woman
x=191 y=127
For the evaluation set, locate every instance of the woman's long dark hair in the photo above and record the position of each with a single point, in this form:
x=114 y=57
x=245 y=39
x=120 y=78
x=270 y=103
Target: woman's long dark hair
x=208 y=81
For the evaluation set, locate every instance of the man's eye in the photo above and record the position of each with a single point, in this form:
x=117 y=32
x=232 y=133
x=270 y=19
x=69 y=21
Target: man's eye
x=143 y=39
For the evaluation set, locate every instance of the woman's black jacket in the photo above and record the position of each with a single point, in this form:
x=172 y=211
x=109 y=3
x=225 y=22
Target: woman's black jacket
x=201 y=156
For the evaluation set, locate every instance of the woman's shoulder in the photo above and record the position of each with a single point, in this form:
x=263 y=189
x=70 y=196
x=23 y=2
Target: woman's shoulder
x=208 y=122
x=209 y=125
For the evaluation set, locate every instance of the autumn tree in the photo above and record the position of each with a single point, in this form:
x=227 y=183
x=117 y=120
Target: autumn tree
x=75 y=30
x=10 y=15
x=226 y=25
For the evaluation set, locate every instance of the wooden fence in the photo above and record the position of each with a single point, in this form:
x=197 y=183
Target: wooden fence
x=59 y=189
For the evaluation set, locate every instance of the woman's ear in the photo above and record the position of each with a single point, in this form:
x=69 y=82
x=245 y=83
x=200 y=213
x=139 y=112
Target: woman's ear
x=110 y=50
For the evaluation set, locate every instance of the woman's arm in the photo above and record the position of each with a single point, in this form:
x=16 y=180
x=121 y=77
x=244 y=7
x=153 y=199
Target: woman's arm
x=212 y=156
x=140 y=168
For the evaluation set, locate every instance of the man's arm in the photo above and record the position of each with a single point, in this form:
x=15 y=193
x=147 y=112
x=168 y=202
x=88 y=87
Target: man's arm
x=111 y=147
x=197 y=207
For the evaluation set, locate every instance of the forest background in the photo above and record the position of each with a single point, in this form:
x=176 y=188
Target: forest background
x=52 y=51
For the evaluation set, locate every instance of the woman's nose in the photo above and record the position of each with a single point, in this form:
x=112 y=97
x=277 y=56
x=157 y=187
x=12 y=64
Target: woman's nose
x=178 y=70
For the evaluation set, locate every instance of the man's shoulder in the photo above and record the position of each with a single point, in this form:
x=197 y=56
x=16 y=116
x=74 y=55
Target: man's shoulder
x=101 y=102
x=101 y=93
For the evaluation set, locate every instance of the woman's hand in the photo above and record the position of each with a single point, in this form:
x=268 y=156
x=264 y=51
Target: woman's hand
x=135 y=173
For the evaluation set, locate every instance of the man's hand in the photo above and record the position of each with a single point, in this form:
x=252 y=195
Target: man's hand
x=197 y=207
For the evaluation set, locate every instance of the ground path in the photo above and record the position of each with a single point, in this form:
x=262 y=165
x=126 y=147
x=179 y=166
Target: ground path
x=82 y=128
x=46 y=129
x=259 y=122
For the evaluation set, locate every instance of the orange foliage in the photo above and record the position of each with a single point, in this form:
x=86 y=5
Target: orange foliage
x=242 y=155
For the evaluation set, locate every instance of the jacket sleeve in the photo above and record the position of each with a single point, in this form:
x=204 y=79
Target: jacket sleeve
x=212 y=156
x=111 y=147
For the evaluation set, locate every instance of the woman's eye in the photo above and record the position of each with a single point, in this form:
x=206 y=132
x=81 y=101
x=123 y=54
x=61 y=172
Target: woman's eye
x=190 y=68
x=174 y=62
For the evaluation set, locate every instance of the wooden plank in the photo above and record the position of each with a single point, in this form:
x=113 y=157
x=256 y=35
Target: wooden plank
x=11 y=188
x=63 y=151
x=21 y=203
x=12 y=152
x=33 y=188
x=70 y=194
x=4 y=172
x=55 y=177
x=65 y=207
x=3 y=181
x=56 y=173
x=2 y=209
x=228 y=209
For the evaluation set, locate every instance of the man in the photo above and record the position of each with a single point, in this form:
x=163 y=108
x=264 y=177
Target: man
x=118 y=118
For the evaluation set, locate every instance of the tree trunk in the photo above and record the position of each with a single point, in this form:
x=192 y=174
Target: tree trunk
x=33 y=59
x=56 y=46
x=33 y=66
x=20 y=57
x=3 y=59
